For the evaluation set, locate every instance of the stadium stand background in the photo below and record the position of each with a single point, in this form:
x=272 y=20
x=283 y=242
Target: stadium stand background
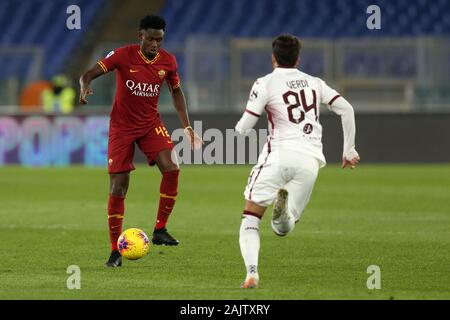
x=228 y=42
x=222 y=46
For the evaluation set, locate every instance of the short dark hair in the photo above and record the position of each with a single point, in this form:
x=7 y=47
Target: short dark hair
x=152 y=21
x=286 y=49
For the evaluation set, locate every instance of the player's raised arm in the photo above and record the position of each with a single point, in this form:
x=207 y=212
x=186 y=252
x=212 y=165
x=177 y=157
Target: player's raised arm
x=85 y=82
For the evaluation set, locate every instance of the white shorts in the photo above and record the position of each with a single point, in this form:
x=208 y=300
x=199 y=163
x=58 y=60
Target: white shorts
x=292 y=171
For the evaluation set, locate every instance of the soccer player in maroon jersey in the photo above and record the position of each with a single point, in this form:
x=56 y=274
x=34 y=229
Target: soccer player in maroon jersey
x=141 y=70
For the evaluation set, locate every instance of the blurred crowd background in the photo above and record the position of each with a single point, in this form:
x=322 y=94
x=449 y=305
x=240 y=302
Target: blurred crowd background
x=222 y=46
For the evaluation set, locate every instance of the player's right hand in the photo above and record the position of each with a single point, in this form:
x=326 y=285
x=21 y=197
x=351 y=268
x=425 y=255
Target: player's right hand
x=350 y=163
x=84 y=92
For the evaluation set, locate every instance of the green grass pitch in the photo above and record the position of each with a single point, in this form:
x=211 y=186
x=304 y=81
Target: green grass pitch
x=394 y=216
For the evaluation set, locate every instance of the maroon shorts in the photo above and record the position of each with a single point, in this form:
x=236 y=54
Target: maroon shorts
x=121 y=146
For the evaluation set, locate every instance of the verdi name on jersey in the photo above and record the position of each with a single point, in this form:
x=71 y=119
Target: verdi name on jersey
x=142 y=89
x=297 y=84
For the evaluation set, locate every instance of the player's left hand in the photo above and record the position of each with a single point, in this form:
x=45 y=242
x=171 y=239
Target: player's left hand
x=195 y=141
x=350 y=163
x=84 y=92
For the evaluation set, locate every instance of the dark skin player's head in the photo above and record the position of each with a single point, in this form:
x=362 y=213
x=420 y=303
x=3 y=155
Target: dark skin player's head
x=151 y=34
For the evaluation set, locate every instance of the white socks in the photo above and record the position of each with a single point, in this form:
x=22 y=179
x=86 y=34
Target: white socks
x=249 y=243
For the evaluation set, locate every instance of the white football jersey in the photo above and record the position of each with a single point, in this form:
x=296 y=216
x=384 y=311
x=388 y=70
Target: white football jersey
x=292 y=100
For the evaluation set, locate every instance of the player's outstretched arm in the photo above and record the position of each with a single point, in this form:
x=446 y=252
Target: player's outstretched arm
x=350 y=157
x=255 y=107
x=85 y=82
x=179 y=103
x=246 y=123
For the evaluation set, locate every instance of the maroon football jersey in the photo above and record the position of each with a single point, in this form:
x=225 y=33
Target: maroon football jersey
x=138 y=85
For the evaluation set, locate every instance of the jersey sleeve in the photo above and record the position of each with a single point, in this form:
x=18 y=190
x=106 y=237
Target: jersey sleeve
x=112 y=60
x=328 y=94
x=257 y=99
x=255 y=107
x=173 y=79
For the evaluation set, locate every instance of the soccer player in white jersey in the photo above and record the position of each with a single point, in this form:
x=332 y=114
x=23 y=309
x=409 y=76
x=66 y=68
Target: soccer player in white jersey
x=288 y=165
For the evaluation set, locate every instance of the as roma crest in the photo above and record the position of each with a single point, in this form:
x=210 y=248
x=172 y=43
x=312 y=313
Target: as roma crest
x=161 y=74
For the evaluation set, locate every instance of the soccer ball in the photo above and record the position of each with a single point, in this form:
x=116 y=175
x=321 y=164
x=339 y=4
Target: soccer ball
x=133 y=244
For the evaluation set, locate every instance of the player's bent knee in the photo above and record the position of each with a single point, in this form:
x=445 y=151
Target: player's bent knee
x=119 y=186
x=119 y=190
x=166 y=165
x=251 y=206
x=169 y=168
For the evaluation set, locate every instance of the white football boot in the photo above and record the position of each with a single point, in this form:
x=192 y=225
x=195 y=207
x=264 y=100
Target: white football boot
x=282 y=222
